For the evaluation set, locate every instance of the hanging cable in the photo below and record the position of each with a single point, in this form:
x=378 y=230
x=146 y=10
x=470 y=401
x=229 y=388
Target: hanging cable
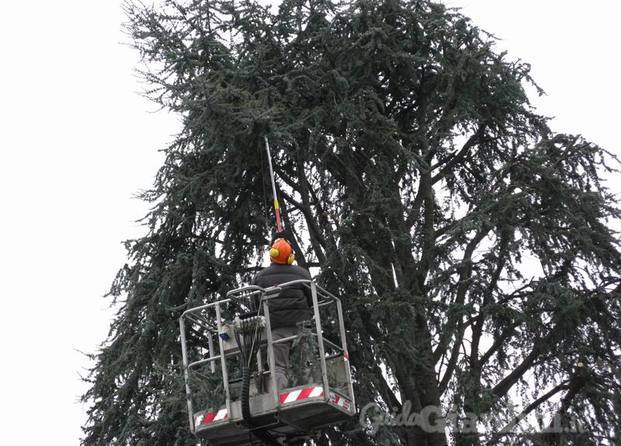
x=248 y=332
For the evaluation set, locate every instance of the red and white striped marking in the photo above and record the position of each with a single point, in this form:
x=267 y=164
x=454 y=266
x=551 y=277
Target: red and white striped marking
x=338 y=400
x=301 y=394
x=306 y=393
x=209 y=417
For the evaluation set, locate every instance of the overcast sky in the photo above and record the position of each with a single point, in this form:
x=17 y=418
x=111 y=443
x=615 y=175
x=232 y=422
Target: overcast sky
x=77 y=141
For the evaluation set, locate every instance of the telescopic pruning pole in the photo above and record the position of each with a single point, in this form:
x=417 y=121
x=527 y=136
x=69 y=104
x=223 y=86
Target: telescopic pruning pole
x=279 y=226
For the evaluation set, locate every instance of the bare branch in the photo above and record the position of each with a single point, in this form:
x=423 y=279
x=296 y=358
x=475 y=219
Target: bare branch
x=459 y=157
x=532 y=406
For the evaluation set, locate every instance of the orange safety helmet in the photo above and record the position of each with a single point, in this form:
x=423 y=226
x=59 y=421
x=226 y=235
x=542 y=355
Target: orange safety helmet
x=281 y=252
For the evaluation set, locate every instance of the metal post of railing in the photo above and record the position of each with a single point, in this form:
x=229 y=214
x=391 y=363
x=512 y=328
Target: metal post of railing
x=270 y=351
x=339 y=312
x=211 y=355
x=350 y=386
x=322 y=354
x=186 y=375
x=225 y=375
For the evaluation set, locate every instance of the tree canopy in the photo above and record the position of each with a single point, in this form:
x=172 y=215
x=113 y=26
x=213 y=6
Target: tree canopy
x=471 y=245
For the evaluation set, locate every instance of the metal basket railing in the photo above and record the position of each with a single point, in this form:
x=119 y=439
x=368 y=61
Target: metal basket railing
x=207 y=321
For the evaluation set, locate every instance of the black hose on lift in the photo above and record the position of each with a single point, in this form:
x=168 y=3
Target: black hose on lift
x=260 y=434
x=251 y=338
x=245 y=395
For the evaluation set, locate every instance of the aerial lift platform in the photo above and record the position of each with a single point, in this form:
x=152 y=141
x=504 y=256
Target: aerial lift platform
x=228 y=405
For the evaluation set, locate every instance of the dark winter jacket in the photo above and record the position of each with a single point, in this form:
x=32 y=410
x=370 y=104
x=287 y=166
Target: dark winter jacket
x=293 y=303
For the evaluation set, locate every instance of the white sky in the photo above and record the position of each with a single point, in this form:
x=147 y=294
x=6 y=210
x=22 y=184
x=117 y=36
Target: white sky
x=77 y=142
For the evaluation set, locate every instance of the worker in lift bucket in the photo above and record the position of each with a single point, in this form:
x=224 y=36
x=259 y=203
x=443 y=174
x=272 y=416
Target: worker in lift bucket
x=291 y=306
